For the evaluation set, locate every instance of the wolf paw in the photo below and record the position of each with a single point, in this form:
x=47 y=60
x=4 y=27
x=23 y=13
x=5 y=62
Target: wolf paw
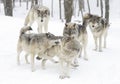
x=63 y=76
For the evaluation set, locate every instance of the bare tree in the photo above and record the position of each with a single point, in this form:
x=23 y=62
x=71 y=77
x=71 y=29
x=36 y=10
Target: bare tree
x=60 y=9
x=8 y=9
x=27 y=3
x=101 y=6
x=36 y=1
x=97 y=3
x=88 y=6
x=81 y=7
x=68 y=10
x=107 y=6
x=52 y=8
x=20 y=2
x=40 y=2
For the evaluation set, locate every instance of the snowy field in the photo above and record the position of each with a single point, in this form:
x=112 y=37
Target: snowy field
x=101 y=68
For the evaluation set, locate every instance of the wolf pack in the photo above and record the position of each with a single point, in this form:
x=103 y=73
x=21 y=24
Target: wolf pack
x=68 y=48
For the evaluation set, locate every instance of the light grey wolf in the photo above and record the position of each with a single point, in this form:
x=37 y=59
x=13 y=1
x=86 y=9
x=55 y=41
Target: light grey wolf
x=41 y=14
x=99 y=29
x=34 y=44
x=79 y=32
x=70 y=49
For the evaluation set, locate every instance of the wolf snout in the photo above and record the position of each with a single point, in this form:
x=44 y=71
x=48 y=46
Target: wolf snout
x=93 y=26
x=57 y=42
x=41 y=20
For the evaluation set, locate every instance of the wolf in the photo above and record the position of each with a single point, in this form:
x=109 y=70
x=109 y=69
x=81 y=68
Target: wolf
x=70 y=49
x=99 y=29
x=79 y=32
x=34 y=44
x=50 y=53
x=41 y=15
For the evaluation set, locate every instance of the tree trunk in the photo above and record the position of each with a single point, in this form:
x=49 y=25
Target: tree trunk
x=8 y=9
x=97 y=3
x=32 y=3
x=60 y=9
x=20 y=2
x=88 y=6
x=107 y=10
x=27 y=3
x=81 y=7
x=68 y=10
x=13 y=3
x=40 y=2
x=36 y=2
x=101 y=6
x=52 y=8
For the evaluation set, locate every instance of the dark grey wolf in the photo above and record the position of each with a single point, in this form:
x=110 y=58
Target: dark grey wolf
x=41 y=15
x=34 y=44
x=99 y=29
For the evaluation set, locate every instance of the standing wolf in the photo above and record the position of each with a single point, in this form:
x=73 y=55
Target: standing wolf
x=99 y=29
x=79 y=32
x=41 y=14
x=34 y=44
x=70 y=50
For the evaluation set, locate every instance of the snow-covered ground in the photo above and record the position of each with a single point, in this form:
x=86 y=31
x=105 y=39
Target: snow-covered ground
x=101 y=68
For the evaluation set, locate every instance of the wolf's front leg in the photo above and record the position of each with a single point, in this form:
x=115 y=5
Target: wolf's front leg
x=62 y=73
x=100 y=44
x=32 y=62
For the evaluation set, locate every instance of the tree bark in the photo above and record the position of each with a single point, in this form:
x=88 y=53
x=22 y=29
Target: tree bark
x=60 y=9
x=101 y=6
x=88 y=6
x=68 y=10
x=8 y=9
x=97 y=3
x=107 y=10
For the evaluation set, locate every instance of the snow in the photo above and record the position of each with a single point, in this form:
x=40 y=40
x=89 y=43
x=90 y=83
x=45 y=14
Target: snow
x=101 y=68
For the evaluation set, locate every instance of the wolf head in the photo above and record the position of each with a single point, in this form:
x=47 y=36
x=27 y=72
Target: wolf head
x=43 y=13
x=53 y=40
x=70 y=30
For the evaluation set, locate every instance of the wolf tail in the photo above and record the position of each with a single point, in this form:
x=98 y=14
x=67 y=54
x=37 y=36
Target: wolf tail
x=24 y=30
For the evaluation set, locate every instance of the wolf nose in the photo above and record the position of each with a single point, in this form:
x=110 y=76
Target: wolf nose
x=57 y=42
x=93 y=26
x=41 y=20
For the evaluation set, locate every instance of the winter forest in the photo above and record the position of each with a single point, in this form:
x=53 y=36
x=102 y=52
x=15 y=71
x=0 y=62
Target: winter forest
x=100 y=67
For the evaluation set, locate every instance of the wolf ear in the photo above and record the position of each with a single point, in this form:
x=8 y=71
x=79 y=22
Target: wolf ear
x=46 y=11
x=74 y=24
x=30 y=28
x=66 y=24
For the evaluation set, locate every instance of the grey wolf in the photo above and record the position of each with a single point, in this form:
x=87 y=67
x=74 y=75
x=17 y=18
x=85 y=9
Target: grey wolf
x=79 y=32
x=70 y=49
x=41 y=15
x=34 y=44
x=51 y=52
x=99 y=29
